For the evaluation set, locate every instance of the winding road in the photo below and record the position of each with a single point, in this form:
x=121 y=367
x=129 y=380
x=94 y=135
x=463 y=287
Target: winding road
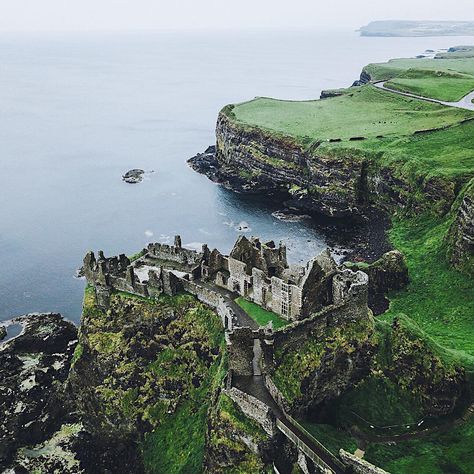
x=465 y=103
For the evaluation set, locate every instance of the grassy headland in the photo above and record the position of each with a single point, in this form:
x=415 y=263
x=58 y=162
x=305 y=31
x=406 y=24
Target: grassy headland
x=441 y=85
x=363 y=112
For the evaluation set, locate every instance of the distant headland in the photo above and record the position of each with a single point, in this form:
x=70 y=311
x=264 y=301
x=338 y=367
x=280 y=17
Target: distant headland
x=418 y=28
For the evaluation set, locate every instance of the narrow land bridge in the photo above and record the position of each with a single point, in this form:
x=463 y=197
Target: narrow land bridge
x=254 y=386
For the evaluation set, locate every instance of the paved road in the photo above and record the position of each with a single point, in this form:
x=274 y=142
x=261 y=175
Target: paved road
x=465 y=103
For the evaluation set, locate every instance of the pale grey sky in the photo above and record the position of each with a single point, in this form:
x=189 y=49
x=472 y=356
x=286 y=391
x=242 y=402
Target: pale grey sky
x=32 y=15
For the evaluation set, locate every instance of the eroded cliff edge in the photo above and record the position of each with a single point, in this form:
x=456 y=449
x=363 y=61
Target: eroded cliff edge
x=333 y=179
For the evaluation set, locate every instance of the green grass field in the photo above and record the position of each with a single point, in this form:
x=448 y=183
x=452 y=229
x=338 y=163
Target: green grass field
x=395 y=67
x=449 y=77
x=364 y=112
x=446 y=153
x=441 y=85
x=261 y=316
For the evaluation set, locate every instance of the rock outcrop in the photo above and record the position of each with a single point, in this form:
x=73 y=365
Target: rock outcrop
x=363 y=79
x=138 y=365
x=416 y=367
x=461 y=234
x=389 y=272
x=133 y=176
x=33 y=369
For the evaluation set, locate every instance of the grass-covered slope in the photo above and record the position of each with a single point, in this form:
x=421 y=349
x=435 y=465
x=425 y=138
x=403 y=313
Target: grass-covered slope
x=363 y=112
x=442 y=85
x=449 y=77
x=439 y=298
x=396 y=67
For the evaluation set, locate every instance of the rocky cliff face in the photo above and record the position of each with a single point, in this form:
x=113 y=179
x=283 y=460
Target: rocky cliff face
x=389 y=272
x=336 y=182
x=331 y=360
x=251 y=160
x=461 y=234
x=416 y=367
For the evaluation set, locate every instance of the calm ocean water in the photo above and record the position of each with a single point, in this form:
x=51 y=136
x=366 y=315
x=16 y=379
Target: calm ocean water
x=77 y=111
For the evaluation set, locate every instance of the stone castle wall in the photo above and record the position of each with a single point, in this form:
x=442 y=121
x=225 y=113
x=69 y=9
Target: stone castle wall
x=212 y=299
x=358 y=465
x=254 y=409
x=175 y=253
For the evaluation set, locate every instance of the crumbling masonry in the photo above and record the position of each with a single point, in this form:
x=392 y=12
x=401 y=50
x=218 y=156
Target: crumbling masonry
x=257 y=271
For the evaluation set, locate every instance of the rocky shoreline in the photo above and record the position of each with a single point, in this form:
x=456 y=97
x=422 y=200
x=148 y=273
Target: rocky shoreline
x=366 y=238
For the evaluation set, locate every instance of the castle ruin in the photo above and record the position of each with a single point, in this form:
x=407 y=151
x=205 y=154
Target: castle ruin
x=255 y=270
x=313 y=297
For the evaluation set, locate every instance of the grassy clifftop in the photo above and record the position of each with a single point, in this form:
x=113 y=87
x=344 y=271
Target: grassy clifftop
x=362 y=112
x=449 y=77
x=448 y=62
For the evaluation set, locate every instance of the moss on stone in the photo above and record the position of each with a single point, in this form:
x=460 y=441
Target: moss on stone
x=77 y=353
x=234 y=440
x=295 y=367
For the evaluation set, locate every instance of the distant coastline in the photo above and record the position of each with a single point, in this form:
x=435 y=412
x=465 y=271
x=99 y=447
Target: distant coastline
x=399 y=28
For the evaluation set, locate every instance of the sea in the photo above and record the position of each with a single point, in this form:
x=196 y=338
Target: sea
x=78 y=110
